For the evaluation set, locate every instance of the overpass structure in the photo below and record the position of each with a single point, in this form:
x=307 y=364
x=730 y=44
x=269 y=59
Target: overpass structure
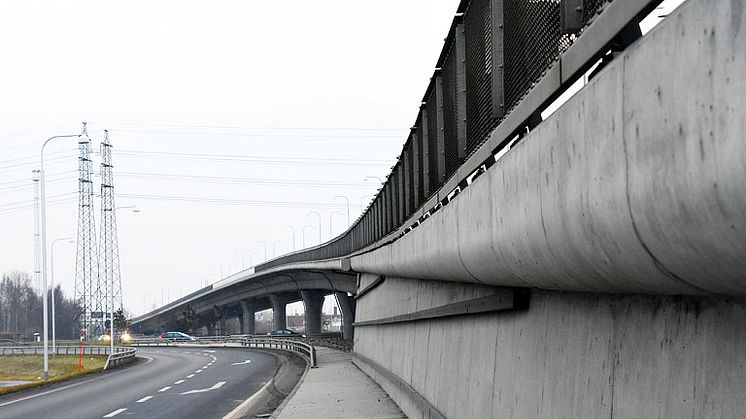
x=587 y=264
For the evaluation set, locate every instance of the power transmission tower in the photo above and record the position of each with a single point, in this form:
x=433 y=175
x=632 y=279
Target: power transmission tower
x=87 y=285
x=35 y=176
x=109 y=250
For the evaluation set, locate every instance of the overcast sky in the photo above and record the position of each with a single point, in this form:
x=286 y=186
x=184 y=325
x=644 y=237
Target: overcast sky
x=230 y=120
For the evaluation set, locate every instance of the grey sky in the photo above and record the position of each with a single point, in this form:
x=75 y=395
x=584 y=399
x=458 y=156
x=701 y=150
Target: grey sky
x=275 y=107
x=276 y=80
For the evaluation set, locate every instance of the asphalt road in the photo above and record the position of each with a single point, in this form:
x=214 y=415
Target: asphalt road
x=163 y=383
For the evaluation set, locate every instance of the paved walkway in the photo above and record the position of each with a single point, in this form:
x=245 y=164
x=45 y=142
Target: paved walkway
x=338 y=389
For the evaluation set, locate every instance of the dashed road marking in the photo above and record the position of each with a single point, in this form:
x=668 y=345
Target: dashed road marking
x=144 y=399
x=114 y=413
x=248 y=361
x=164 y=389
x=179 y=382
x=190 y=375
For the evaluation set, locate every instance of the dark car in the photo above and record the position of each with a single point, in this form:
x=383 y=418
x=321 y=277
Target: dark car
x=177 y=337
x=284 y=333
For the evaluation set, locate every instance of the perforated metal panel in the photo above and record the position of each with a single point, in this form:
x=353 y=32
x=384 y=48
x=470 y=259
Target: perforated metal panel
x=432 y=139
x=450 y=112
x=478 y=31
x=533 y=41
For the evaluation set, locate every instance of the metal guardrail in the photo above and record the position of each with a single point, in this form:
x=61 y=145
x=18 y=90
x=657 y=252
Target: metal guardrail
x=121 y=355
x=288 y=344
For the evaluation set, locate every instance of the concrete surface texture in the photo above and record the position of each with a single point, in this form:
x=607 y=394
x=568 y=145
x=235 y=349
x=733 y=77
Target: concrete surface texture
x=338 y=389
x=635 y=185
x=569 y=355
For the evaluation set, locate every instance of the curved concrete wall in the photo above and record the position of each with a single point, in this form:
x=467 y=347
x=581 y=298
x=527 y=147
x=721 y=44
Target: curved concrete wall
x=637 y=184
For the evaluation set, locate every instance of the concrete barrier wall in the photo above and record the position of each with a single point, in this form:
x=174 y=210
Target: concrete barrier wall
x=636 y=185
x=569 y=355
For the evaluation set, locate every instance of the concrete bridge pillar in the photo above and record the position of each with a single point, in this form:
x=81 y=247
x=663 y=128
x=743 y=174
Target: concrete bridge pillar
x=246 y=319
x=313 y=300
x=278 y=311
x=220 y=326
x=347 y=306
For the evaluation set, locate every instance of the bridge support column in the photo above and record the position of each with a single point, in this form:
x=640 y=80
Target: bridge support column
x=220 y=326
x=278 y=311
x=313 y=301
x=347 y=306
x=246 y=319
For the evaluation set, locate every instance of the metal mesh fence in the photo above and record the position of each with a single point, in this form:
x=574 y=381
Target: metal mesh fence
x=421 y=172
x=432 y=139
x=591 y=8
x=478 y=34
x=450 y=112
x=533 y=41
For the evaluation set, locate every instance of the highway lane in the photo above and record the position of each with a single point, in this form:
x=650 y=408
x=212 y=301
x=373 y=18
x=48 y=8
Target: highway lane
x=183 y=382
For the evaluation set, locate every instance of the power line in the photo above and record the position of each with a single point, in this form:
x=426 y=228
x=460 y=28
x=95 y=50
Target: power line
x=253 y=159
x=227 y=201
x=261 y=135
x=239 y=180
x=364 y=129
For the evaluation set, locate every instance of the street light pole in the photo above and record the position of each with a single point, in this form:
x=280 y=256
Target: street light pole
x=51 y=277
x=111 y=288
x=304 y=234
x=274 y=248
x=293 y=229
x=243 y=259
x=348 y=207
x=319 y=215
x=331 y=215
x=45 y=304
x=265 y=248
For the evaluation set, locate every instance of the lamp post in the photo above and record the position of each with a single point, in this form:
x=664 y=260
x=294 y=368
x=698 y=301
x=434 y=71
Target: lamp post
x=304 y=234
x=362 y=200
x=274 y=248
x=111 y=286
x=51 y=277
x=293 y=229
x=243 y=259
x=373 y=177
x=45 y=304
x=265 y=248
x=348 y=207
x=251 y=258
x=331 y=215
x=319 y=215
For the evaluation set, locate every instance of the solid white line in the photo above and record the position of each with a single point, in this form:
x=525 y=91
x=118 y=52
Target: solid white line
x=179 y=382
x=164 y=389
x=144 y=399
x=190 y=375
x=238 y=411
x=114 y=413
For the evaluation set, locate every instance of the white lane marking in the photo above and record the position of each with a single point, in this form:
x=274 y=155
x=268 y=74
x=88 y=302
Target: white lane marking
x=179 y=382
x=114 y=413
x=239 y=411
x=206 y=366
x=198 y=371
x=209 y=351
x=164 y=389
x=149 y=360
x=144 y=399
x=190 y=375
x=248 y=361
x=204 y=390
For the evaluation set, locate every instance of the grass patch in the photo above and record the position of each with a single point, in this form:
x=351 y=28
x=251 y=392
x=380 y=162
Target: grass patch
x=31 y=367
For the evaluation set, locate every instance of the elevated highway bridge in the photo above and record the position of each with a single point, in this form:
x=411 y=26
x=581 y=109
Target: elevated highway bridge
x=591 y=263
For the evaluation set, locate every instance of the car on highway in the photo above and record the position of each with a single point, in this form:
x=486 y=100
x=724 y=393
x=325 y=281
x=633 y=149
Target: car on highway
x=177 y=337
x=284 y=333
